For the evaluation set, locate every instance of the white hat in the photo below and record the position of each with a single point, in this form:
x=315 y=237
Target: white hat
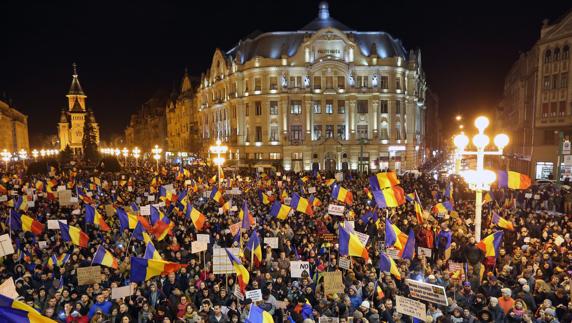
x=522 y=281
x=365 y=304
x=431 y=277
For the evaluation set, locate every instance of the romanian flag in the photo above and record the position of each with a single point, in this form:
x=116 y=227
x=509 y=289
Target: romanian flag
x=155 y=215
x=226 y=206
x=408 y=251
x=314 y=200
x=21 y=204
x=383 y=180
x=143 y=269
x=25 y=223
x=411 y=197
x=491 y=244
x=242 y=275
x=58 y=261
x=162 y=228
x=264 y=198
x=487 y=198
x=443 y=207
x=151 y=252
x=280 y=210
x=350 y=244
x=449 y=193
x=386 y=264
x=51 y=189
x=330 y=182
x=514 y=180
x=249 y=219
x=389 y=197
x=140 y=234
x=197 y=217
x=254 y=246
x=393 y=236
x=501 y=222
x=16 y=311
x=305 y=179
x=301 y=204
x=212 y=180
x=258 y=315
x=73 y=234
x=92 y=215
x=126 y=221
x=217 y=195
x=105 y=258
x=419 y=214
x=341 y=194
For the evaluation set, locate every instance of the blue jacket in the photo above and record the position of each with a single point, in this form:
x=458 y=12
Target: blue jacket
x=105 y=307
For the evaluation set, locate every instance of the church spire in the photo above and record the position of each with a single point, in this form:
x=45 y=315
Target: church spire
x=75 y=88
x=186 y=83
x=76 y=96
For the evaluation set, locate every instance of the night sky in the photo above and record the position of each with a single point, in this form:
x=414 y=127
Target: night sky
x=127 y=50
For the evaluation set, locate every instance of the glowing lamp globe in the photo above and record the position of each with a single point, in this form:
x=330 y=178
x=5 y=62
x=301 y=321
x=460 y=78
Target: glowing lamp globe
x=481 y=123
x=501 y=140
x=481 y=141
x=461 y=141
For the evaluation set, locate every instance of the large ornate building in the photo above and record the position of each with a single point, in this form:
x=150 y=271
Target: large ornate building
x=14 y=128
x=536 y=108
x=325 y=96
x=72 y=119
x=148 y=126
x=182 y=134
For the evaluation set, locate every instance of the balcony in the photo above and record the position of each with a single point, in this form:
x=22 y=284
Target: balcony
x=296 y=142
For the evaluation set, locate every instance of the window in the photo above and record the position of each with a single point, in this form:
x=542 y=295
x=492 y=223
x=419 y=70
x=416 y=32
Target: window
x=329 y=82
x=295 y=81
x=317 y=107
x=317 y=132
x=361 y=81
x=547 y=82
x=397 y=107
x=246 y=85
x=549 y=137
x=258 y=108
x=547 y=56
x=341 y=82
x=562 y=109
x=258 y=134
x=545 y=109
x=383 y=106
x=247 y=109
x=362 y=106
x=553 y=108
x=297 y=156
x=317 y=82
x=257 y=84
x=398 y=83
x=329 y=131
x=273 y=133
x=273 y=83
x=544 y=170
x=329 y=106
x=342 y=132
x=565 y=52
x=258 y=156
x=555 y=81
x=362 y=131
x=296 y=107
x=564 y=80
x=384 y=82
x=557 y=54
x=247 y=133
x=384 y=130
x=273 y=108
x=275 y=156
x=296 y=132
x=341 y=106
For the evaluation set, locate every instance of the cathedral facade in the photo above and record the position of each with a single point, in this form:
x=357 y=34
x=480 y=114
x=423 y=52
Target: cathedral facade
x=72 y=119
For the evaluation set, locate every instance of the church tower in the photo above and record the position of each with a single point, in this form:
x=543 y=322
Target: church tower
x=72 y=119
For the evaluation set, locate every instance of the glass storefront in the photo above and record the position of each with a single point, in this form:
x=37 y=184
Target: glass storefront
x=544 y=170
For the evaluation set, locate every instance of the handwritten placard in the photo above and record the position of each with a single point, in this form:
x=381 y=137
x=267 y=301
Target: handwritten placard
x=88 y=275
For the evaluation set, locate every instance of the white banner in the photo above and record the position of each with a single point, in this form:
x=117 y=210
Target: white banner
x=254 y=295
x=145 y=210
x=221 y=262
x=427 y=292
x=54 y=225
x=272 y=242
x=424 y=251
x=334 y=209
x=410 y=307
x=198 y=246
x=344 y=263
x=203 y=237
x=121 y=292
x=6 y=247
x=297 y=268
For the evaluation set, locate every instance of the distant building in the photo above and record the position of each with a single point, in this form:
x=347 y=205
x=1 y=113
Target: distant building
x=182 y=132
x=323 y=97
x=148 y=126
x=537 y=102
x=72 y=119
x=13 y=128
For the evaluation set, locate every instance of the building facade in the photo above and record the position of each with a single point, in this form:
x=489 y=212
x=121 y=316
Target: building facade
x=537 y=103
x=72 y=119
x=14 y=128
x=148 y=126
x=182 y=132
x=326 y=97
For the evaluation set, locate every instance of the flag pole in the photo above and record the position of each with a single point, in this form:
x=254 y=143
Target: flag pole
x=251 y=255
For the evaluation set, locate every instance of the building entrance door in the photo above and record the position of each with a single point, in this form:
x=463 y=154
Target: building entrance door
x=330 y=165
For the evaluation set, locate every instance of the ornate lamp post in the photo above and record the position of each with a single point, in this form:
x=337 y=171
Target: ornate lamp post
x=35 y=154
x=23 y=155
x=157 y=155
x=480 y=179
x=125 y=153
x=6 y=157
x=218 y=149
x=136 y=153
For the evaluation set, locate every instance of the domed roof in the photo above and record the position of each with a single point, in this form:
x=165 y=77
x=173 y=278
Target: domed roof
x=324 y=20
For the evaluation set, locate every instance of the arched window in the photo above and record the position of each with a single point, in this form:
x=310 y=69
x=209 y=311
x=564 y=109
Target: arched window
x=547 y=56
x=566 y=52
x=398 y=130
x=556 y=54
x=384 y=131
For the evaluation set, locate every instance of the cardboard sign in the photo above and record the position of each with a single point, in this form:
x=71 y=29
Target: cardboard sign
x=8 y=288
x=333 y=283
x=6 y=247
x=121 y=292
x=64 y=197
x=334 y=209
x=364 y=238
x=311 y=190
x=31 y=204
x=410 y=307
x=61 y=188
x=427 y=292
x=254 y=295
x=344 y=263
x=528 y=195
x=425 y=251
x=54 y=224
x=145 y=210
x=151 y=198
x=88 y=275
x=221 y=262
x=236 y=292
x=455 y=266
x=393 y=253
x=299 y=268
x=198 y=246
x=272 y=242
x=42 y=244
x=203 y=237
x=325 y=319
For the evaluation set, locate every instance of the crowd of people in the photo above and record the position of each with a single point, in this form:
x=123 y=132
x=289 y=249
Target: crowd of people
x=527 y=280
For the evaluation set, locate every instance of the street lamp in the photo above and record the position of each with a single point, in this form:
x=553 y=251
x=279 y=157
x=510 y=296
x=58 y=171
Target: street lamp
x=6 y=157
x=136 y=154
x=480 y=179
x=458 y=117
x=125 y=153
x=23 y=155
x=43 y=153
x=157 y=154
x=218 y=160
x=35 y=154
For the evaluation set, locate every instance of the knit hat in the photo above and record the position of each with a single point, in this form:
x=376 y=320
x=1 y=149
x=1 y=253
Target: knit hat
x=506 y=291
x=365 y=304
x=522 y=281
x=358 y=314
x=526 y=288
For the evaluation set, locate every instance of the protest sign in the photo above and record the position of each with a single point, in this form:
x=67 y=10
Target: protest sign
x=427 y=292
x=203 y=237
x=235 y=191
x=344 y=263
x=424 y=251
x=8 y=288
x=311 y=190
x=88 y=275
x=3 y=198
x=334 y=209
x=364 y=238
x=393 y=253
x=54 y=225
x=333 y=283
x=198 y=246
x=42 y=244
x=236 y=292
x=6 y=247
x=272 y=242
x=151 y=198
x=329 y=237
x=221 y=262
x=64 y=197
x=145 y=210
x=410 y=307
x=339 y=177
x=325 y=319
x=121 y=292
x=255 y=295
x=455 y=266
x=299 y=269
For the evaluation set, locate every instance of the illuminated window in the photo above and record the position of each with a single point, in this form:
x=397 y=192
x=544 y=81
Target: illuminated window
x=273 y=108
x=296 y=107
x=317 y=107
x=275 y=156
x=317 y=132
x=342 y=132
x=296 y=132
x=297 y=155
x=341 y=82
x=329 y=106
x=273 y=133
x=317 y=82
x=341 y=106
x=258 y=156
x=361 y=131
x=384 y=131
x=273 y=83
x=258 y=108
x=383 y=106
x=329 y=131
x=362 y=106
